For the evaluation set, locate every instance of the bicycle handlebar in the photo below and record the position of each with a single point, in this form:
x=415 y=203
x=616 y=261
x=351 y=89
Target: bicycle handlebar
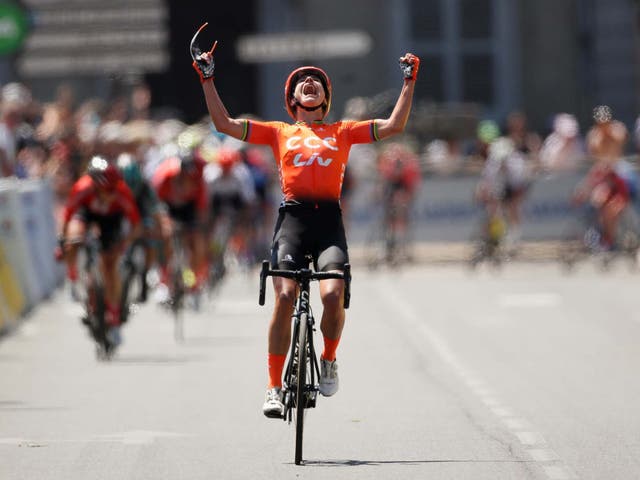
x=305 y=273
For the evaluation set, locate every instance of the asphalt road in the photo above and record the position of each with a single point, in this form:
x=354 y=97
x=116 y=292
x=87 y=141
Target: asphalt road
x=522 y=373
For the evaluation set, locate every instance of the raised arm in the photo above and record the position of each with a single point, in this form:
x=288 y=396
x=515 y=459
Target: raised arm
x=398 y=119
x=204 y=64
x=219 y=115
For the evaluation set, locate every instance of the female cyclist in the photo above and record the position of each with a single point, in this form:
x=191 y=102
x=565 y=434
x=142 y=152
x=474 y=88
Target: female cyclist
x=311 y=156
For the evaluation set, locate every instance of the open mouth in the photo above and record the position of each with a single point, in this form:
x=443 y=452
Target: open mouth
x=309 y=89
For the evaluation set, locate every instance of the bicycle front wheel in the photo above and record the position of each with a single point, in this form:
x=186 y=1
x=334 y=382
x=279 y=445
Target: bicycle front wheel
x=301 y=399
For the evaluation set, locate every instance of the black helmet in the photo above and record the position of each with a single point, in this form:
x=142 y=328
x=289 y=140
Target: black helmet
x=190 y=164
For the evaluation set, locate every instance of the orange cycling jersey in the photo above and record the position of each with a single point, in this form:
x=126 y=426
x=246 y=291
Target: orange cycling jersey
x=311 y=158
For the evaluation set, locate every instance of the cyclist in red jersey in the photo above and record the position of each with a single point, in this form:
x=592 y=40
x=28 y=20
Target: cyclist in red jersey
x=603 y=186
x=399 y=172
x=180 y=185
x=100 y=197
x=311 y=156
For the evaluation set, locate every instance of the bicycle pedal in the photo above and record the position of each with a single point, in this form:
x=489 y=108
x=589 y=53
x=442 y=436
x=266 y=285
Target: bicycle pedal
x=311 y=399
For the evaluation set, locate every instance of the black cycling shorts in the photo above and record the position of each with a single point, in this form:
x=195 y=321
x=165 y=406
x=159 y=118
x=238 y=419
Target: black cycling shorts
x=230 y=203
x=309 y=229
x=184 y=214
x=110 y=226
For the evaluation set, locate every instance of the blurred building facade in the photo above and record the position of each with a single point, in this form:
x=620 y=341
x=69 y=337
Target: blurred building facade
x=494 y=56
x=541 y=57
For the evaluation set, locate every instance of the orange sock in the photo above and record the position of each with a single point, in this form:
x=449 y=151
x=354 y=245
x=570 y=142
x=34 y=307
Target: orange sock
x=276 y=365
x=330 y=347
x=72 y=272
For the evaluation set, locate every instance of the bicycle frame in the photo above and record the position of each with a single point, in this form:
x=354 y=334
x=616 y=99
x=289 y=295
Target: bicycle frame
x=94 y=301
x=302 y=312
x=132 y=266
x=300 y=382
x=177 y=287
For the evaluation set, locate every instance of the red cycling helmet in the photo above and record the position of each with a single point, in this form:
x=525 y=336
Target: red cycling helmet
x=104 y=174
x=292 y=80
x=190 y=163
x=227 y=158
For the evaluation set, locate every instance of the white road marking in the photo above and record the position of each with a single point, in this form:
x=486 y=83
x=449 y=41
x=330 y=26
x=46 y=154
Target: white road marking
x=557 y=472
x=502 y=412
x=529 y=300
x=530 y=438
x=490 y=401
x=548 y=460
x=12 y=441
x=543 y=455
x=516 y=424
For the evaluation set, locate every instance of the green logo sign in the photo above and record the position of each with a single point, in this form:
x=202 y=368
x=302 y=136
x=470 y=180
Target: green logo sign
x=13 y=27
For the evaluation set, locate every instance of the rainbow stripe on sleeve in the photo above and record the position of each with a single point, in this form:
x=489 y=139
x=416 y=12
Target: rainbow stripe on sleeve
x=245 y=130
x=374 y=130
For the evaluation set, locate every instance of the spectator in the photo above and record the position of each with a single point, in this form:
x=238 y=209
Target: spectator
x=15 y=99
x=563 y=149
x=140 y=102
x=31 y=156
x=525 y=141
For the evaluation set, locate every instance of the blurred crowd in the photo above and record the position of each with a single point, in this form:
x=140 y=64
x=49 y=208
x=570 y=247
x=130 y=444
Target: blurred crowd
x=56 y=139
x=562 y=147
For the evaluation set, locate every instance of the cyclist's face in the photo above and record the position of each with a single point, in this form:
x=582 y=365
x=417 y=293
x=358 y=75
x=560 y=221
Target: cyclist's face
x=105 y=193
x=309 y=90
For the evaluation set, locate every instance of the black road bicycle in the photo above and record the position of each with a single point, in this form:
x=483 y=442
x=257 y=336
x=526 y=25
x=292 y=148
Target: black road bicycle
x=488 y=240
x=300 y=381
x=180 y=279
x=387 y=243
x=133 y=274
x=93 y=297
x=583 y=239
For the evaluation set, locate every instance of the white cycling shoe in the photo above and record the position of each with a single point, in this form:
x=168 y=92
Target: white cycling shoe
x=273 y=406
x=329 y=382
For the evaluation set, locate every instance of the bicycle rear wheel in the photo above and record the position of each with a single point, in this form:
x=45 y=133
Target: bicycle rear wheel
x=177 y=304
x=126 y=299
x=301 y=399
x=104 y=349
x=178 y=315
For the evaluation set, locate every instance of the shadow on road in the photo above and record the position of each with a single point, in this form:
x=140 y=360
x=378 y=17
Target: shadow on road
x=359 y=463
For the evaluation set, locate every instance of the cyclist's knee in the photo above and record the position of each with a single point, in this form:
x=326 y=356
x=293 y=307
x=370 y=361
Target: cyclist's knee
x=285 y=297
x=332 y=297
